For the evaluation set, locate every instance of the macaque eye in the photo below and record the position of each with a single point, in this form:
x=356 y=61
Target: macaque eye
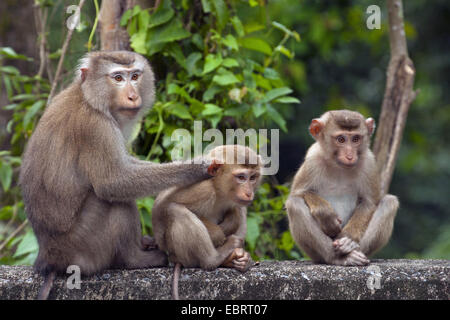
x=118 y=77
x=134 y=77
x=253 y=177
x=356 y=139
x=241 y=177
x=340 y=139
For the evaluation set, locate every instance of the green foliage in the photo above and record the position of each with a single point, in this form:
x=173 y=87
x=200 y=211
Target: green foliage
x=267 y=237
x=216 y=67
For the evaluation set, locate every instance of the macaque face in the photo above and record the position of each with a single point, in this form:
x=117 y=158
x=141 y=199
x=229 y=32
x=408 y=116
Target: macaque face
x=245 y=180
x=347 y=145
x=125 y=83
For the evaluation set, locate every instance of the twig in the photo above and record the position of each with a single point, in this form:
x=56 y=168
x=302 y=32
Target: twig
x=12 y=235
x=41 y=22
x=61 y=59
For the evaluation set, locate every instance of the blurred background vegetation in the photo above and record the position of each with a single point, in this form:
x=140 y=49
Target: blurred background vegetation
x=244 y=64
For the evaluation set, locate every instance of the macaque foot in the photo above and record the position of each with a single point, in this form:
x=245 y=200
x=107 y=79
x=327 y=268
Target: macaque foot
x=345 y=245
x=148 y=243
x=354 y=258
x=155 y=258
x=239 y=259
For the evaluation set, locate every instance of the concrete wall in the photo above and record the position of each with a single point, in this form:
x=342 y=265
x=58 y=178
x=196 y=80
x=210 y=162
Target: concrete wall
x=270 y=280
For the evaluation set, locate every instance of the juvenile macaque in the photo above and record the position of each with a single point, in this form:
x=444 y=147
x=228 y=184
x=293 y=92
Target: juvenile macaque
x=204 y=225
x=78 y=181
x=336 y=214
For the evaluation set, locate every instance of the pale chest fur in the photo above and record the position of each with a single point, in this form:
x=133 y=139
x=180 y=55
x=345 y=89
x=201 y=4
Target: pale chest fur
x=342 y=194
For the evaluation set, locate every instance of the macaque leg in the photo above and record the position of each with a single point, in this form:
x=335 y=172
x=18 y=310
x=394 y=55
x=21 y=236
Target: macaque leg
x=380 y=227
x=307 y=233
x=188 y=240
x=311 y=239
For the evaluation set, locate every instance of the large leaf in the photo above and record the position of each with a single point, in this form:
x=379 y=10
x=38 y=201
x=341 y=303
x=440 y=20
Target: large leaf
x=256 y=44
x=161 y=16
x=221 y=11
x=181 y=111
x=276 y=117
x=225 y=78
x=275 y=93
x=27 y=245
x=212 y=61
x=252 y=231
x=211 y=109
x=169 y=32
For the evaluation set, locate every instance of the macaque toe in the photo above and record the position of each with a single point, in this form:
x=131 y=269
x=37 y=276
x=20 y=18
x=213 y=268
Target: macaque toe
x=356 y=258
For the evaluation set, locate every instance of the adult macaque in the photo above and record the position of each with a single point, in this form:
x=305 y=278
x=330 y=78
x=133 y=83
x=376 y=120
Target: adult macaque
x=78 y=181
x=336 y=214
x=204 y=225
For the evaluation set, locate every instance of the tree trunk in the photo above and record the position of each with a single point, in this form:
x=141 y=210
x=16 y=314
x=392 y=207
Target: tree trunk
x=398 y=96
x=112 y=35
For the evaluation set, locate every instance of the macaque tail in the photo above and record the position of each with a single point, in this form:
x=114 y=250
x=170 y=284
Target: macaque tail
x=46 y=286
x=176 y=276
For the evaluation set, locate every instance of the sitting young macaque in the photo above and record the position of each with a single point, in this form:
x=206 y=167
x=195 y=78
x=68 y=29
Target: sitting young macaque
x=204 y=225
x=336 y=213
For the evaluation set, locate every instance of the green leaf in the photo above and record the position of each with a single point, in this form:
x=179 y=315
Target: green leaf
x=211 y=92
x=221 y=11
x=231 y=42
x=252 y=231
x=206 y=6
x=169 y=32
x=11 y=54
x=175 y=51
x=284 y=51
x=225 y=78
x=276 y=117
x=28 y=244
x=271 y=74
x=211 y=109
x=125 y=17
x=275 y=93
x=287 y=100
x=256 y=44
x=161 y=16
x=32 y=111
x=230 y=63
x=191 y=63
x=138 y=42
x=181 y=111
x=258 y=109
x=238 y=27
x=6 y=173
x=237 y=111
x=212 y=61
x=10 y=70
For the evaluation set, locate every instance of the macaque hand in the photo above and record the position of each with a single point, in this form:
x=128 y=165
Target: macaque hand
x=345 y=245
x=239 y=259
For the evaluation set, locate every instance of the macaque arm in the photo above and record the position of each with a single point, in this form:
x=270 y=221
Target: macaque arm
x=215 y=232
x=323 y=213
x=235 y=222
x=358 y=223
x=115 y=175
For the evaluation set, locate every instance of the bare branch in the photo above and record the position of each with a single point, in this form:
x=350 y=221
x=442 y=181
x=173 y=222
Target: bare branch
x=397 y=97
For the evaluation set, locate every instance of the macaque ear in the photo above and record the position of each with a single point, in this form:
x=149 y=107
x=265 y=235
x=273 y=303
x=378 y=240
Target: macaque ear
x=315 y=127
x=370 y=124
x=84 y=72
x=214 y=168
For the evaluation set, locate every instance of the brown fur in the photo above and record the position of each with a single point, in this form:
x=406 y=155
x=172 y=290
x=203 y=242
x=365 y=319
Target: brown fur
x=355 y=191
x=80 y=184
x=204 y=224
